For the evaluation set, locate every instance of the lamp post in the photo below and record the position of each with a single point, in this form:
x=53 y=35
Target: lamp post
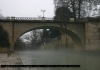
x=43 y=12
x=43 y=18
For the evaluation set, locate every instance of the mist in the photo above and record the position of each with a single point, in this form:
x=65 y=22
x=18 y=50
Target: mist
x=85 y=59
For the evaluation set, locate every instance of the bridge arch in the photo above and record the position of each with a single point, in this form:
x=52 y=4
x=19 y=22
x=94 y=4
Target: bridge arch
x=75 y=38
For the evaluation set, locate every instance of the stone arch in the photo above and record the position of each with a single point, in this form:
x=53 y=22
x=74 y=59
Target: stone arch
x=74 y=36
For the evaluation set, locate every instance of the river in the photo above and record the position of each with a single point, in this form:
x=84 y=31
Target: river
x=88 y=60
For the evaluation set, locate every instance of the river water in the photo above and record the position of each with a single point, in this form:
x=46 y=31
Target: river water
x=88 y=60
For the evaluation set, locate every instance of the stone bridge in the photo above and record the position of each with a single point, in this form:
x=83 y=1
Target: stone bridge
x=84 y=33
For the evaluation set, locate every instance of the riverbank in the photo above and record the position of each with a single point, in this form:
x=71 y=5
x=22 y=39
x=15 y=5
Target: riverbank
x=13 y=59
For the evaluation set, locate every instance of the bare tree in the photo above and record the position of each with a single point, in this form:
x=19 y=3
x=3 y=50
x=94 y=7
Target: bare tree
x=80 y=8
x=1 y=14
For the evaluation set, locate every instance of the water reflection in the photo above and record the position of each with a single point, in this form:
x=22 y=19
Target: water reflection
x=86 y=60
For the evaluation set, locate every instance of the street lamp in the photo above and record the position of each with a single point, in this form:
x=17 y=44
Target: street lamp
x=43 y=12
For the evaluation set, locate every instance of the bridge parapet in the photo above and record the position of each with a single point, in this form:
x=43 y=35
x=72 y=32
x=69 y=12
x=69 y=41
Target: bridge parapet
x=33 y=18
x=38 y=19
x=26 y=18
x=50 y=18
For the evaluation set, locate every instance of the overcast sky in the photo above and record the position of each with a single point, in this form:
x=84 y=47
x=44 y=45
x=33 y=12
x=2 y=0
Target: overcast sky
x=27 y=8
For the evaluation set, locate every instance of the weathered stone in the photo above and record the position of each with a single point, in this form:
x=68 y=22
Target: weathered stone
x=87 y=32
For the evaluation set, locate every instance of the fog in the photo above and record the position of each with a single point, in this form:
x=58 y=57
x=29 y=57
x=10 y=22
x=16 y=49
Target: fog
x=88 y=60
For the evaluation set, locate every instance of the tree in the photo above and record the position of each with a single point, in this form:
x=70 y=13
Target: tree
x=1 y=14
x=19 y=45
x=80 y=8
x=36 y=38
x=45 y=34
x=54 y=33
x=4 y=40
x=50 y=33
x=63 y=14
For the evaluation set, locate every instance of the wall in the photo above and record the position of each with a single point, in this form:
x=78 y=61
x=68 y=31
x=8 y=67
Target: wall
x=92 y=36
x=79 y=29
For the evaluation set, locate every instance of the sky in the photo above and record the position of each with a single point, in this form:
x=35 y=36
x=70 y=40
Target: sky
x=27 y=8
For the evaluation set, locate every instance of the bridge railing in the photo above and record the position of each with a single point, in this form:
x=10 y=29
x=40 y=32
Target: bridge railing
x=5 y=18
x=47 y=18
x=26 y=18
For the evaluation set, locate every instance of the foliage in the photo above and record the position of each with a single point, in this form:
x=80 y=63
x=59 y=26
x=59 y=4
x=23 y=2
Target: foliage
x=50 y=33
x=19 y=45
x=4 y=40
x=36 y=37
x=54 y=33
x=80 y=8
x=45 y=34
x=63 y=14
